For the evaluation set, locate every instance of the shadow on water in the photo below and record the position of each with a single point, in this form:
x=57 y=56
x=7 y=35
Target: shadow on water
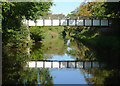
x=106 y=50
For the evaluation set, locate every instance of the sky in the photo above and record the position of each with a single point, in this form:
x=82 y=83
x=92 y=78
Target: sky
x=64 y=7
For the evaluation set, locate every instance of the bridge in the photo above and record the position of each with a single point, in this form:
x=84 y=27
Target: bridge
x=62 y=64
x=67 y=22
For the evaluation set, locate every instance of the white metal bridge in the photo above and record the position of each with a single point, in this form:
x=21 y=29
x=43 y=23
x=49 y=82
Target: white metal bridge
x=62 y=64
x=67 y=22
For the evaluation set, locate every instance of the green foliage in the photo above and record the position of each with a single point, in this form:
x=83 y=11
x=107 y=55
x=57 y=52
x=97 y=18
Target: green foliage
x=100 y=76
x=104 y=46
x=37 y=54
x=97 y=10
x=85 y=32
x=13 y=13
x=13 y=61
x=31 y=76
x=46 y=33
x=52 y=40
x=36 y=33
x=112 y=9
x=17 y=38
x=80 y=51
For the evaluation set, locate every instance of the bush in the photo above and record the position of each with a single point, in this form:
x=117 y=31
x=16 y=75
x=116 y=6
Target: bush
x=36 y=33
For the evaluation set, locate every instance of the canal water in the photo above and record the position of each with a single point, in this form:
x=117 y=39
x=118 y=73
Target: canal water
x=60 y=50
x=64 y=56
x=67 y=49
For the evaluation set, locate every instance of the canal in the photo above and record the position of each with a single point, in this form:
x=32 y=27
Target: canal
x=54 y=48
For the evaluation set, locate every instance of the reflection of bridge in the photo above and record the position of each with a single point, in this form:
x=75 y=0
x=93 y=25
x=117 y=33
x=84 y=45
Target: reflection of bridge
x=62 y=64
x=67 y=22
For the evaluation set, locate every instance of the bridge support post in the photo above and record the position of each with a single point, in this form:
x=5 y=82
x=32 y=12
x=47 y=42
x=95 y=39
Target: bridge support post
x=51 y=64
x=68 y=64
x=83 y=64
x=35 y=64
x=43 y=22
x=83 y=22
x=75 y=22
x=75 y=64
x=59 y=22
x=28 y=30
x=44 y=64
x=91 y=22
x=67 y=22
x=100 y=22
x=59 y=64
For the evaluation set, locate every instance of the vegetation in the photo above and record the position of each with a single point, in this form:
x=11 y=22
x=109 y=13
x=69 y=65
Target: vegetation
x=16 y=37
x=101 y=44
x=15 y=62
x=104 y=41
x=97 y=10
x=13 y=13
x=36 y=33
x=101 y=40
x=52 y=40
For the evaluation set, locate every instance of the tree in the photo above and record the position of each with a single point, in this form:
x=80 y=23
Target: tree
x=98 y=10
x=112 y=9
x=82 y=10
x=14 y=12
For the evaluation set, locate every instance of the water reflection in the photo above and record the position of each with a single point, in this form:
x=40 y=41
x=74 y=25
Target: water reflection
x=61 y=57
x=39 y=76
x=15 y=61
x=30 y=76
x=68 y=76
x=57 y=49
x=63 y=64
x=65 y=49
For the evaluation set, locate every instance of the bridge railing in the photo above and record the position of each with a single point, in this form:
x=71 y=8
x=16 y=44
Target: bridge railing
x=62 y=64
x=68 y=21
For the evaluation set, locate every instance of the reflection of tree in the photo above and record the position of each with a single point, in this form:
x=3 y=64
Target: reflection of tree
x=99 y=76
x=37 y=53
x=80 y=51
x=37 y=76
x=88 y=76
x=13 y=62
x=45 y=77
x=107 y=51
x=55 y=47
x=53 y=42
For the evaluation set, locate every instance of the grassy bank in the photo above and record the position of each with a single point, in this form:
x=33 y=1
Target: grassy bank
x=39 y=33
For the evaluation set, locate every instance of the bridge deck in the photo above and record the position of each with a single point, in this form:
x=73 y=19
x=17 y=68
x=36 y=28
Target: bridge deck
x=62 y=64
x=67 y=22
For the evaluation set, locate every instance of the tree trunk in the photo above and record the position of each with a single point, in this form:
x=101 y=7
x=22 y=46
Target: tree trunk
x=28 y=37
